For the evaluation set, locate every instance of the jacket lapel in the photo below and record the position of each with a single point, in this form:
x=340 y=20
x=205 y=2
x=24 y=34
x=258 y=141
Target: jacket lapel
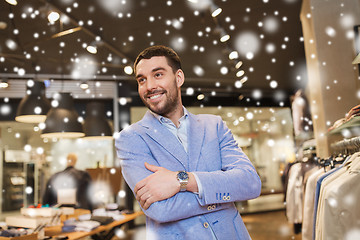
x=165 y=138
x=195 y=140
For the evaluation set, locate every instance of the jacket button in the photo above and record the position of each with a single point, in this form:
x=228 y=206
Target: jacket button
x=206 y=225
x=226 y=198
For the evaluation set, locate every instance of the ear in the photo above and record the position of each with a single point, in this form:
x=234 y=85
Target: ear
x=180 y=78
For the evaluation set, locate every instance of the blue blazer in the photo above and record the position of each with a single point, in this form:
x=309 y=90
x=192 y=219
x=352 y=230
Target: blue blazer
x=225 y=172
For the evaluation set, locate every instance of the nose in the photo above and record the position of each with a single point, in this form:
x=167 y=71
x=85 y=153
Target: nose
x=150 y=84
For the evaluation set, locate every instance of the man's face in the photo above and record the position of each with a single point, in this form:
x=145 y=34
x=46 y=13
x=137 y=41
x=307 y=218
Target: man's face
x=158 y=85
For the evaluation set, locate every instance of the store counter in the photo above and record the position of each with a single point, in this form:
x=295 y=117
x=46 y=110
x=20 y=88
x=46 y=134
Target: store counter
x=101 y=232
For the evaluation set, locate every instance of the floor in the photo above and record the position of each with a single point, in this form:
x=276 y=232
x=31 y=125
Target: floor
x=261 y=226
x=270 y=225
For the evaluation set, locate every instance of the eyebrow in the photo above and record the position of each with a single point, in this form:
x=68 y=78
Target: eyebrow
x=154 y=70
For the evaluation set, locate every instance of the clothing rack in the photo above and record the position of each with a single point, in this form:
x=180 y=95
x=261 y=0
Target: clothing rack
x=331 y=161
x=341 y=149
x=347 y=146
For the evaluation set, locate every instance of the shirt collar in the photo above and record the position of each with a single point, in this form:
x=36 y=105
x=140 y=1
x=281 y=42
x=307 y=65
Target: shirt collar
x=163 y=119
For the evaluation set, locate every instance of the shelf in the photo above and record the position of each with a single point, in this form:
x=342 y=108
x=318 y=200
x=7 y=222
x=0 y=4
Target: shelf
x=350 y=124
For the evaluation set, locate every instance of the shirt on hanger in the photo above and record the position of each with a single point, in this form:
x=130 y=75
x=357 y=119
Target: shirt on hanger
x=309 y=199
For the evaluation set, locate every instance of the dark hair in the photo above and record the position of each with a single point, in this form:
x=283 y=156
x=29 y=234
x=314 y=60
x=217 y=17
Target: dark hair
x=171 y=56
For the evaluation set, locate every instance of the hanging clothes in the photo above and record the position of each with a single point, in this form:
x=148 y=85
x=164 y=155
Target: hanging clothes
x=309 y=199
x=338 y=213
x=318 y=195
x=295 y=191
x=294 y=195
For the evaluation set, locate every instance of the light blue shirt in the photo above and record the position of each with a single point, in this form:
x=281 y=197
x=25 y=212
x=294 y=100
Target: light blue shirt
x=181 y=131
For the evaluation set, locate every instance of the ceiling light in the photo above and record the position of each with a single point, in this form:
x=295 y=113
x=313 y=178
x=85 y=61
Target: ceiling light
x=128 y=70
x=240 y=73
x=200 y=97
x=91 y=49
x=238 y=64
x=84 y=85
x=215 y=10
x=34 y=106
x=224 y=36
x=233 y=55
x=62 y=120
x=96 y=126
x=4 y=84
x=66 y=32
x=243 y=80
x=53 y=17
x=12 y=2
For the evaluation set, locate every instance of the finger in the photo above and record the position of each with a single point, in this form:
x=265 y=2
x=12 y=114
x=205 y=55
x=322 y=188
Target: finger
x=140 y=193
x=141 y=199
x=145 y=200
x=148 y=202
x=140 y=185
x=151 y=167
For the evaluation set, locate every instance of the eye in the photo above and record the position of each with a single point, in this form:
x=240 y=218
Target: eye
x=159 y=74
x=141 y=80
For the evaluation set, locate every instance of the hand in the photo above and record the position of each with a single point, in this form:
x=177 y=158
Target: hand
x=160 y=185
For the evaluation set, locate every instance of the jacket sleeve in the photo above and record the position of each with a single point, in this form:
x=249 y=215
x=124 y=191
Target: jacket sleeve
x=133 y=152
x=237 y=180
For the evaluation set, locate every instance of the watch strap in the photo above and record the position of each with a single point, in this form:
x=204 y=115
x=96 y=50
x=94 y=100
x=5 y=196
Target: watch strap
x=183 y=185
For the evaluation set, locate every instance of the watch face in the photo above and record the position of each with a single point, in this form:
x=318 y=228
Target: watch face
x=183 y=175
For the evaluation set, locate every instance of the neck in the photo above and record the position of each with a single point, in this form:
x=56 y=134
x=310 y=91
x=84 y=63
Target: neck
x=175 y=115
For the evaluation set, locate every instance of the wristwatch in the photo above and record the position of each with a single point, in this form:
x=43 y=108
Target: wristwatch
x=183 y=178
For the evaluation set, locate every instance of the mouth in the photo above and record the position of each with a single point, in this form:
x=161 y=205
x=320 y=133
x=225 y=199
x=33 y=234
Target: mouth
x=154 y=95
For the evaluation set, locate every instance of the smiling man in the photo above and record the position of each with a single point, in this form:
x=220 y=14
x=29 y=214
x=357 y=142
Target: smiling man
x=185 y=170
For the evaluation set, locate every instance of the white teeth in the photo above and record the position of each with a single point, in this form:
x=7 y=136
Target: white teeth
x=155 y=96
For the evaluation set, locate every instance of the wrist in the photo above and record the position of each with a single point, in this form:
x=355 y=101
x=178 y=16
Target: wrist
x=192 y=185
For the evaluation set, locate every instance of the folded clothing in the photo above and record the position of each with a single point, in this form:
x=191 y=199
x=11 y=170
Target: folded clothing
x=12 y=232
x=353 y=111
x=68 y=228
x=103 y=220
x=337 y=123
x=85 y=226
x=102 y=212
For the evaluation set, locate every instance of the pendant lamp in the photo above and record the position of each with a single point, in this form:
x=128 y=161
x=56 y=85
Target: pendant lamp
x=62 y=119
x=96 y=126
x=34 y=106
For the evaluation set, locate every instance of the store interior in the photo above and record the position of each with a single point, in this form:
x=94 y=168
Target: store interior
x=286 y=82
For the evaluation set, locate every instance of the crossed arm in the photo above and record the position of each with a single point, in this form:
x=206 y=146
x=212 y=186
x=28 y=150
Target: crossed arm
x=181 y=205
x=160 y=185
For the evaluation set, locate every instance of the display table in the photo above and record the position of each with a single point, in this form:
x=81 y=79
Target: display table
x=101 y=232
